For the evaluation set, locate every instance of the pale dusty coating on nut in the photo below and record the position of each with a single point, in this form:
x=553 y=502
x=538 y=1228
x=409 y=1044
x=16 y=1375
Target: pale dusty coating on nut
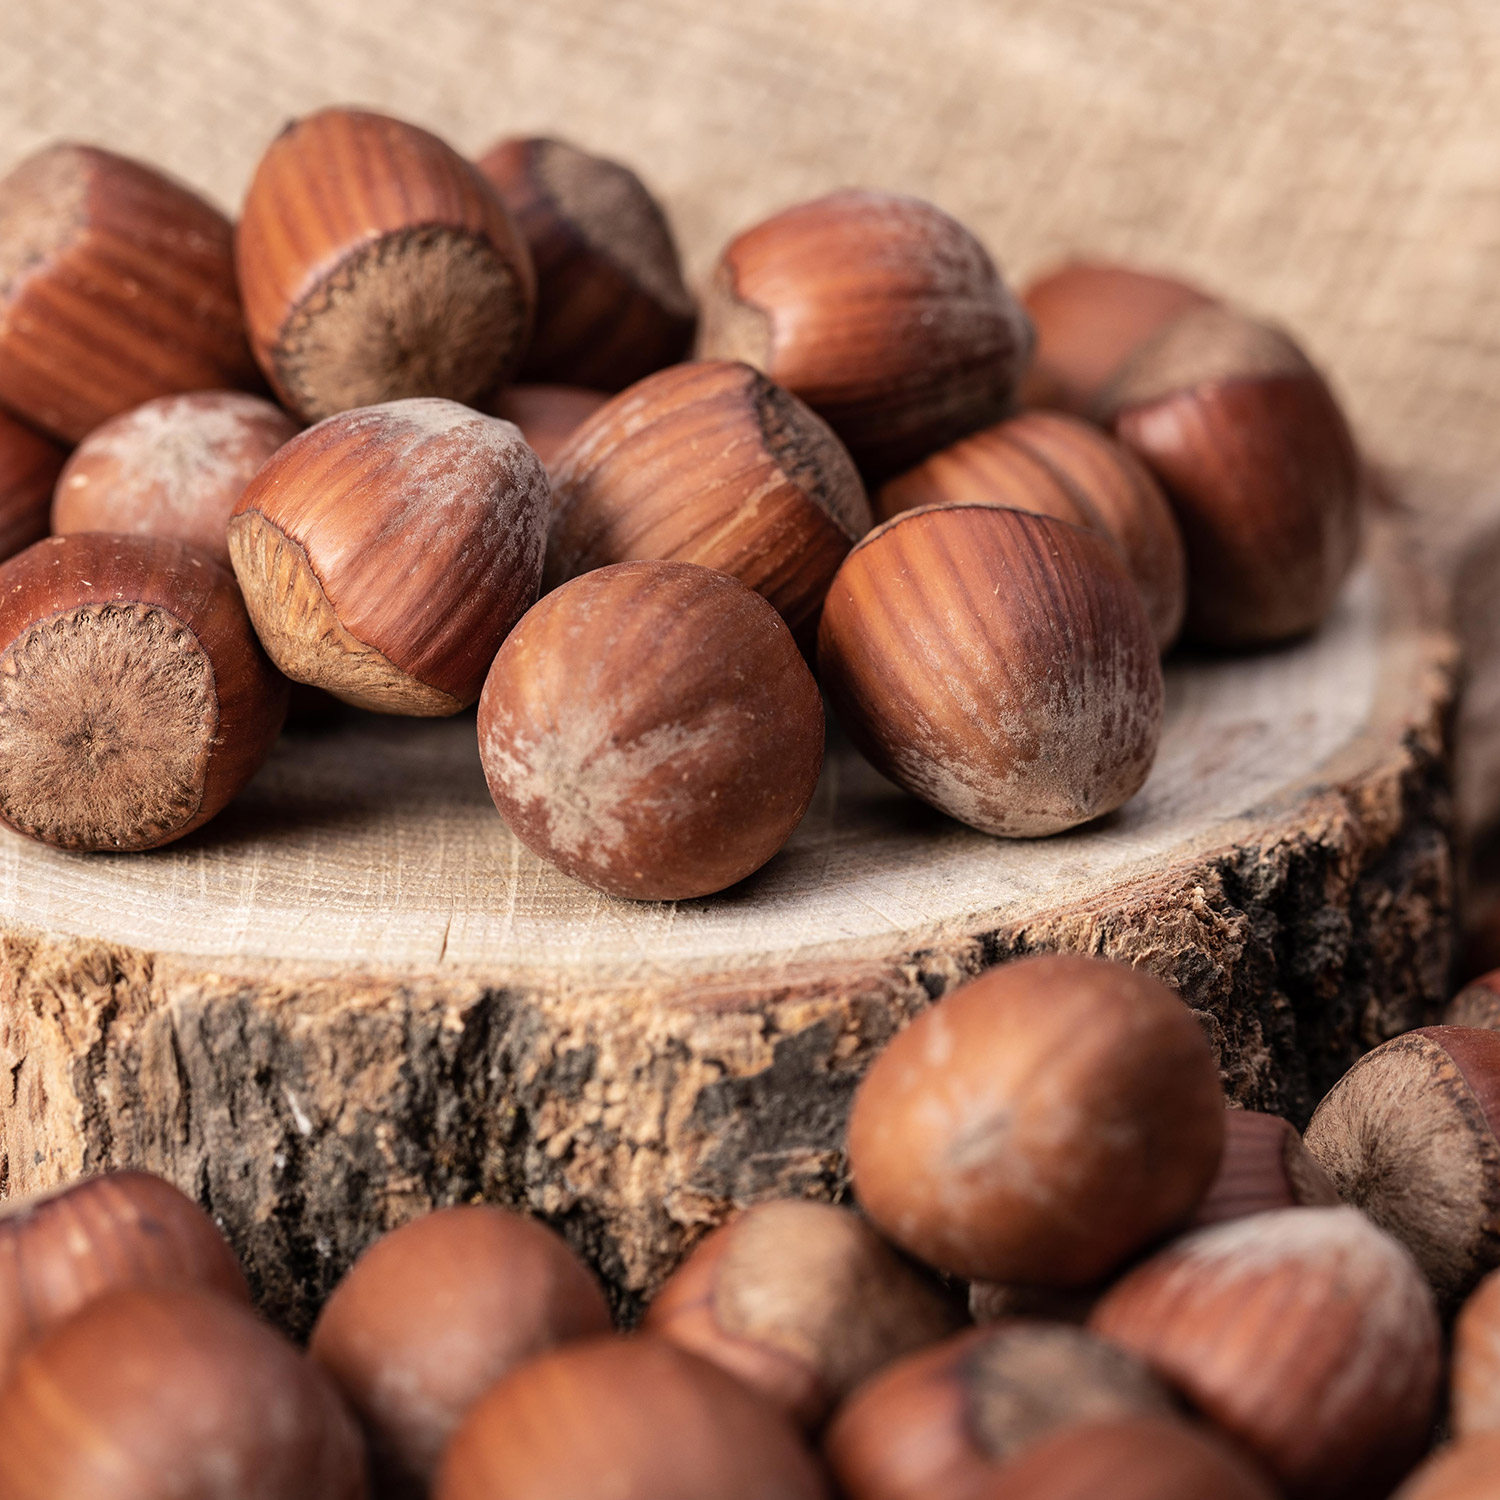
x=42 y=206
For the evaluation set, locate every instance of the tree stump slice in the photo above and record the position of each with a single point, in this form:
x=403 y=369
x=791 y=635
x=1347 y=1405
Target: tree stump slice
x=354 y=996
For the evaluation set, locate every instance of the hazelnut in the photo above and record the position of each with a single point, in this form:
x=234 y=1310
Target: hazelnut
x=1055 y=465
x=61 y=1250
x=29 y=466
x=940 y=1425
x=802 y=1301
x=1145 y=1458
x=1475 y=1403
x=651 y=729
x=1408 y=1135
x=116 y=286
x=1264 y=1166
x=148 y=1393
x=1464 y=1471
x=548 y=415
x=710 y=463
x=1305 y=1334
x=376 y=263
x=434 y=1314
x=1090 y=317
x=135 y=700
x=1259 y=464
x=1039 y=1124
x=173 y=467
x=996 y=664
x=611 y=305
x=638 y=1419
x=883 y=313
x=1476 y=1004
x=386 y=552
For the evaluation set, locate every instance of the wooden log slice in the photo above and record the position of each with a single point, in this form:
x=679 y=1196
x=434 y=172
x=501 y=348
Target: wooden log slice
x=354 y=996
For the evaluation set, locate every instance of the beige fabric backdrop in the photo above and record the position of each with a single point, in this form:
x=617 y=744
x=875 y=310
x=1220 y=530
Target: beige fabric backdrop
x=1336 y=162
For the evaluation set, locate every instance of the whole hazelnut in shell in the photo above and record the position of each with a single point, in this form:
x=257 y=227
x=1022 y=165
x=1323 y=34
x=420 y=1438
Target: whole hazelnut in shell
x=548 y=415
x=1306 y=1334
x=1040 y=1124
x=652 y=730
x=997 y=664
x=29 y=466
x=884 y=314
x=377 y=264
x=611 y=305
x=1476 y=1004
x=386 y=552
x=710 y=463
x=173 y=467
x=1474 y=1404
x=433 y=1314
x=135 y=700
x=1264 y=1166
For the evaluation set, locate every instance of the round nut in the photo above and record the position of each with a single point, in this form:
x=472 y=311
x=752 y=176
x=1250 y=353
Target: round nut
x=1265 y=1166
x=548 y=415
x=1474 y=1404
x=1476 y=1004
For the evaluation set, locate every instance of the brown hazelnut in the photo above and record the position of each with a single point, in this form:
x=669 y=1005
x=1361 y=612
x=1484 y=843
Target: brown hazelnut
x=1408 y=1135
x=1090 y=317
x=1305 y=1334
x=154 y=1393
x=996 y=664
x=117 y=285
x=1259 y=464
x=29 y=466
x=434 y=1314
x=802 y=1301
x=1475 y=1397
x=1039 y=1124
x=376 y=263
x=173 y=467
x=883 y=313
x=1476 y=1004
x=611 y=305
x=652 y=730
x=1142 y=1459
x=135 y=700
x=1055 y=465
x=1264 y=1166
x=1464 y=1471
x=61 y=1250
x=710 y=463
x=940 y=1425
x=638 y=1419
x=548 y=415
x=386 y=552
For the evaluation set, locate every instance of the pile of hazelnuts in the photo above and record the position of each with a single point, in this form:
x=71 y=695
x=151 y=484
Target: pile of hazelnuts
x=1073 y=1273
x=493 y=358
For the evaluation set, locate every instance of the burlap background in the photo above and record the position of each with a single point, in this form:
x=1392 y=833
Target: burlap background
x=1336 y=162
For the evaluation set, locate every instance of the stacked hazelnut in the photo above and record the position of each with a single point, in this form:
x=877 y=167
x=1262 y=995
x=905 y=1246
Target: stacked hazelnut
x=699 y=531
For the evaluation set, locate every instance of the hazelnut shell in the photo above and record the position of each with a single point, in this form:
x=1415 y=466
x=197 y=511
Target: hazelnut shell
x=1265 y=1166
x=1463 y=1471
x=548 y=415
x=1475 y=1389
x=29 y=466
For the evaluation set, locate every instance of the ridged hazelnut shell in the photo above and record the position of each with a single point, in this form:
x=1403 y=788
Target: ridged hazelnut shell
x=117 y=285
x=1307 y=1335
x=652 y=1421
x=135 y=700
x=884 y=314
x=433 y=1314
x=378 y=264
x=174 y=467
x=1265 y=1166
x=652 y=730
x=29 y=466
x=385 y=553
x=997 y=664
x=710 y=463
x=1039 y=1124
x=548 y=415
x=611 y=304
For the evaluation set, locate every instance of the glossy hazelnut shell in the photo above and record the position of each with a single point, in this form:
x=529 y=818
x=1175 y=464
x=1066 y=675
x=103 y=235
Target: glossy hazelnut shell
x=652 y=730
x=385 y=553
x=29 y=466
x=377 y=264
x=1306 y=1334
x=997 y=664
x=710 y=463
x=174 y=467
x=660 y=1423
x=611 y=304
x=1265 y=1166
x=150 y=1393
x=135 y=700
x=1040 y=1124
x=433 y=1314
x=548 y=415
x=883 y=313
x=117 y=285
